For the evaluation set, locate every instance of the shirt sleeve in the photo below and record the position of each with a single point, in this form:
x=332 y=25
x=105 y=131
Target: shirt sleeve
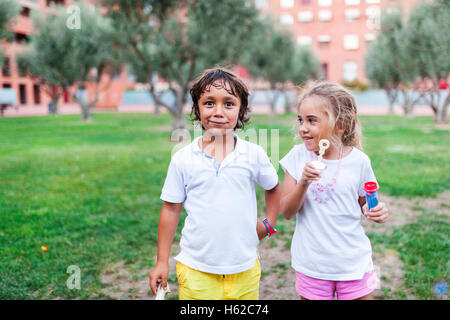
x=266 y=176
x=290 y=164
x=366 y=176
x=173 y=189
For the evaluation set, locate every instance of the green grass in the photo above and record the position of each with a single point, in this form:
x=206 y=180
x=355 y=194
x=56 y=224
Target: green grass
x=423 y=247
x=91 y=191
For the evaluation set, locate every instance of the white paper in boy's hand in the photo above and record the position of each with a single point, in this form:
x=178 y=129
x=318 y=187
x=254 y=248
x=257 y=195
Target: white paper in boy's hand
x=160 y=292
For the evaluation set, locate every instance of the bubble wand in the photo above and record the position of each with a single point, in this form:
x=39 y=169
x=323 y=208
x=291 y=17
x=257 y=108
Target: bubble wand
x=324 y=144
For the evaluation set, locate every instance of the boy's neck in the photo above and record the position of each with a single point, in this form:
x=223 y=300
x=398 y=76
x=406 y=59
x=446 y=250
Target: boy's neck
x=218 y=146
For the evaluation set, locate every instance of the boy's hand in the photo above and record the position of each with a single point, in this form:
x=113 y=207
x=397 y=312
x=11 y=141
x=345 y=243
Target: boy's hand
x=261 y=230
x=159 y=274
x=378 y=214
x=310 y=174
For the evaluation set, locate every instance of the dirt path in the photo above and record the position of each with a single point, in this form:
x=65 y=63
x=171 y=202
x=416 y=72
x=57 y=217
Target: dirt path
x=278 y=278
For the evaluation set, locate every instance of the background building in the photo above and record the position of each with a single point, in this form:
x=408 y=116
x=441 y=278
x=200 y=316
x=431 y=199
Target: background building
x=30 y=92
x=339 y=31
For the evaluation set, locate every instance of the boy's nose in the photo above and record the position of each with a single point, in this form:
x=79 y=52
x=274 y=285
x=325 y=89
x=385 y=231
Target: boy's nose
x=218 y=111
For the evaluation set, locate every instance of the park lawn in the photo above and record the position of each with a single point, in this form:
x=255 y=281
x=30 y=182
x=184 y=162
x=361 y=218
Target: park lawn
x=90 y=191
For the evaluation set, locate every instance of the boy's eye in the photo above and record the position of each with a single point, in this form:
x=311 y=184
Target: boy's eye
x=229 y=104
x=312 y=120
x=209 y=103
x=300 y=120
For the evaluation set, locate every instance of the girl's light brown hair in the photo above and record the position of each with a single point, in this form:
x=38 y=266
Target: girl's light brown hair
x=340 y=106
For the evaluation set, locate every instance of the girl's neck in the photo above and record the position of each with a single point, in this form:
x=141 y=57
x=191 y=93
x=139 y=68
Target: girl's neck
x=334 y=152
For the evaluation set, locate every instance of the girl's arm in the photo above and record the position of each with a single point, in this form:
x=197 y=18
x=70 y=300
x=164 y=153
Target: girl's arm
x=293 y=194
x=168 y=223
x=272 y=210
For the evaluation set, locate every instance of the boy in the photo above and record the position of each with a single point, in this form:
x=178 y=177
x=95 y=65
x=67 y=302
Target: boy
x=214 y=177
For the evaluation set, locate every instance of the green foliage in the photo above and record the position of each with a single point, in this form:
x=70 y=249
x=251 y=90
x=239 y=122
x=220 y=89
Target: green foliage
x=405 y=54
x=59 y=55
x=423 y=248
x=8 y=10
x=178 y=46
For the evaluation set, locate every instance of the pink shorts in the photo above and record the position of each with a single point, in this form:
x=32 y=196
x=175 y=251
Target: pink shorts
x=318 y=289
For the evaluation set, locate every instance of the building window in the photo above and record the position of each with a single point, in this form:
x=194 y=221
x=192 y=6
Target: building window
x=37 y=94
x=372 y=1
x=350 y=71
x=286 y=18
x=304 y=41
x=6 y=85
x=325 y=3
x=351 y=2
x=370 y=36
x=22 y=38
x=286 y=3
x=325 y=70
x=305 y=2
x=351 y=42
x=373 y=18
x=55 y=2
x=352 y=14
x=324 y=40
x=261 y=4
x=305 y=16
x=325 y=15
x=23 y=94
x=25 y=12
x=6 y=68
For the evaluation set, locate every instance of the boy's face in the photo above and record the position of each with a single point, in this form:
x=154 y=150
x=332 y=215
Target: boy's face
x=219 y=109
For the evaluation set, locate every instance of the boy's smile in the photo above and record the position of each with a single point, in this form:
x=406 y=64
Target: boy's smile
x=219 y=109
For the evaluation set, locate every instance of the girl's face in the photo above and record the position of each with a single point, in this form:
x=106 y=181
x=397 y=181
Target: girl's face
x=219 y=110
x=314 y=123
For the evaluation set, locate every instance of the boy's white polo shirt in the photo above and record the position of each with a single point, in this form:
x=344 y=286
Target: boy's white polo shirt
x=219 y=234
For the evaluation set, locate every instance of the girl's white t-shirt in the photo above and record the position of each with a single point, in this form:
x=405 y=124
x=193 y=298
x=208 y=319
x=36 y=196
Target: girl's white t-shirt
x=329 y=242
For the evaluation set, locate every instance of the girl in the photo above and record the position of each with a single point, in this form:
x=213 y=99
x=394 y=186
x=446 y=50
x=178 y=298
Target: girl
x=330 y=250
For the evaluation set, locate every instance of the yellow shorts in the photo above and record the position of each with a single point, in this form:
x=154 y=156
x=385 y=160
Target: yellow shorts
x=197 y=285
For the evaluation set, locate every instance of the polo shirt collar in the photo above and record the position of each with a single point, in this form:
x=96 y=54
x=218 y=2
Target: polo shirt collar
x=240 y=146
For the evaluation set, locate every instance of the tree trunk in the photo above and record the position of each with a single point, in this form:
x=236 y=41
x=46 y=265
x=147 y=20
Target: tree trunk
x=54 y=104
x=179 y=122
x=273 y=100
x=442 y=115
x=392 y=98
x=86 y=111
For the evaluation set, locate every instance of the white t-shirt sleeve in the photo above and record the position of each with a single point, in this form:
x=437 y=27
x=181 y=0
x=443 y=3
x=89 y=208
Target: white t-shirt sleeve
x=367 y=175
x=290 y=163
x=266 y=176
x=173 y=189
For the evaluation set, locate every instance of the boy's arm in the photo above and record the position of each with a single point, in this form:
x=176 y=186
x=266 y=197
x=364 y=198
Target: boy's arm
x=168 y=223
x=272 y=210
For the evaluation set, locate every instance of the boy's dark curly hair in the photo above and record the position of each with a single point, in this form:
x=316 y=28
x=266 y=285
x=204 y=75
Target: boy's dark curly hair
x=221 y=78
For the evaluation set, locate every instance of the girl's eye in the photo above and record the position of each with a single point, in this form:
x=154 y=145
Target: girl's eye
x=312 y=120
x=300 y=120
x=209 y=103
x=229 y=104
